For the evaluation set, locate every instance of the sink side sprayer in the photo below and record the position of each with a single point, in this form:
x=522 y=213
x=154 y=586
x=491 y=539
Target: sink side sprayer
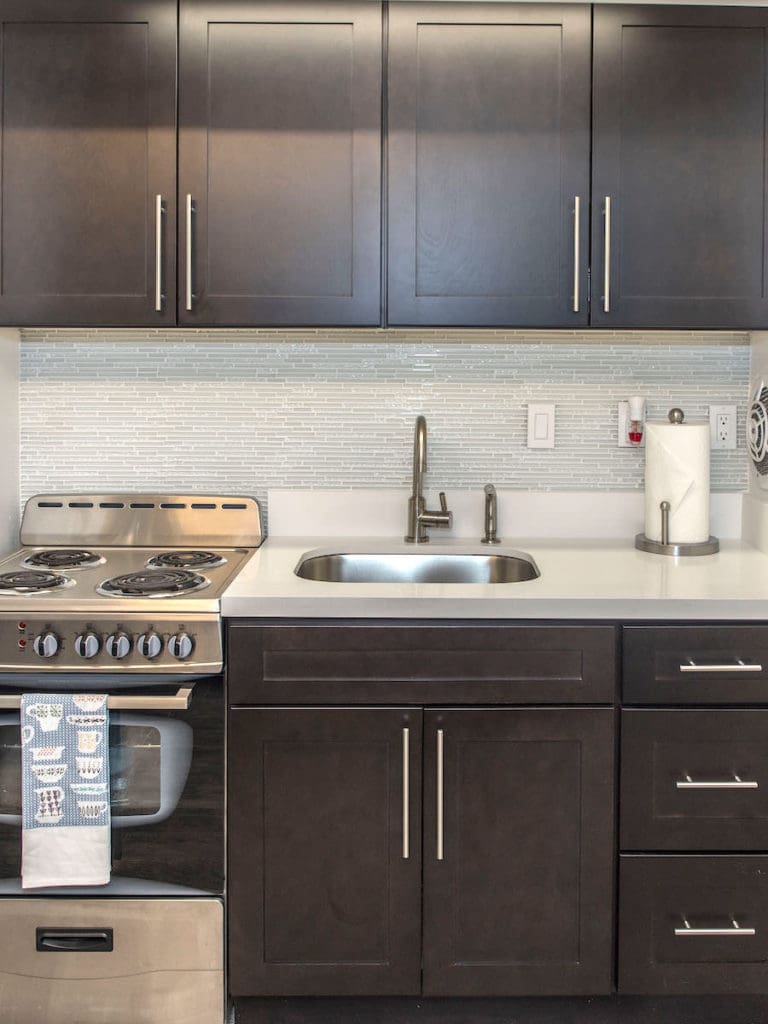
x=420 y=518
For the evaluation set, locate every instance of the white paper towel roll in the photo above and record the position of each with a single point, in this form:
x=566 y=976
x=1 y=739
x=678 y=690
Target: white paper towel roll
x=677 y=471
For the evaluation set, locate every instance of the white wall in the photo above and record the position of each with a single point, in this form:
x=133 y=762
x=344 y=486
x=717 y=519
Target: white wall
x=9 y=439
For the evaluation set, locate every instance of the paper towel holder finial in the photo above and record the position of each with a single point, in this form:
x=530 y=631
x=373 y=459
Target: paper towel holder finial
x=676 y=415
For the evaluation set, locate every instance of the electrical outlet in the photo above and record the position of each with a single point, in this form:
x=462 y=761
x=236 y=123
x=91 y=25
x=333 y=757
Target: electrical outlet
x=722 y=427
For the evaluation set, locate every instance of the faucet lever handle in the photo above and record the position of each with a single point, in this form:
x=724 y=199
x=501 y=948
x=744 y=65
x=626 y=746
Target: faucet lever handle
x=443 y=502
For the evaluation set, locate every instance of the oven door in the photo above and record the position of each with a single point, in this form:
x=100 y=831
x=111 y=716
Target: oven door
x=166 y=790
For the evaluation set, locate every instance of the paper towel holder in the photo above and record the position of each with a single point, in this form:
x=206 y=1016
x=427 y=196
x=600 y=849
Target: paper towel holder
x=663 y=546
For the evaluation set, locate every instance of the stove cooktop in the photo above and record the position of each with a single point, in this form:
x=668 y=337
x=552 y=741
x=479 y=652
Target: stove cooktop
x=122 y=583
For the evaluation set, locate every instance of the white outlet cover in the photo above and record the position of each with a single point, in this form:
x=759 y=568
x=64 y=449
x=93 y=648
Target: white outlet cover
x=717 y=443
x=541 y=425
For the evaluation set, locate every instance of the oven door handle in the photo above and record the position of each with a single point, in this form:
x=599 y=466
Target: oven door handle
x=178 y=701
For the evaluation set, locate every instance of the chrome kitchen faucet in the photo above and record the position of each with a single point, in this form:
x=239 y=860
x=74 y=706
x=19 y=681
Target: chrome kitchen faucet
x=420 y=518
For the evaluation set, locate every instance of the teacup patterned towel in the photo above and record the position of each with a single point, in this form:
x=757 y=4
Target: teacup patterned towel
x=65 y=790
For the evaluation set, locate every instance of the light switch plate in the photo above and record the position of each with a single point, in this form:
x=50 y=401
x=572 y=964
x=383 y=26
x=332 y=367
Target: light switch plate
x=541 y=425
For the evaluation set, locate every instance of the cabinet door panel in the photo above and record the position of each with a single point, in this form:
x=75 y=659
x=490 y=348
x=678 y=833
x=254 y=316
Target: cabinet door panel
x=488 y=146
x=679 y=147
x=88 y=141
x=280 y=148
x=323 y=900
x=520 y=903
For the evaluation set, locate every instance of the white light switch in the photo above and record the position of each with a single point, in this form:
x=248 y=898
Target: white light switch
x=541 y=426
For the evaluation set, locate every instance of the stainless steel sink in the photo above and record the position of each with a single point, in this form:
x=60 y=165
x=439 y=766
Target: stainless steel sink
x=429 y=567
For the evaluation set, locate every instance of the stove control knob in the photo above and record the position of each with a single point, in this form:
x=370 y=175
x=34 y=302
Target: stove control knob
x=181 y=645
x=87 y=645
x=150 y=644
x=46 y=645
x=118 y=645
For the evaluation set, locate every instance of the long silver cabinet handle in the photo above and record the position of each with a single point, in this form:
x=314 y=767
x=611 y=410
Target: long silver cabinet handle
x=406 y=794
x=576 y=248
x=178 y=701
x=440 y=823
x=737 y=666
x=734 y=783
x=190 y=206
x=158 y=254
x=607 y=267
x=735 y=930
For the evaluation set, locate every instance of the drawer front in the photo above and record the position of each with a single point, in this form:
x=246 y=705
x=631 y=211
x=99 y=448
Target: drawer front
x=695 y=664
x=467 y=664
x=693 y=925
x=694 y=780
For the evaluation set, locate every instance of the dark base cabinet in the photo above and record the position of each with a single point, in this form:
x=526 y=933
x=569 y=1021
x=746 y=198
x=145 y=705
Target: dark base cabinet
x=518 y=860
x=325 y=851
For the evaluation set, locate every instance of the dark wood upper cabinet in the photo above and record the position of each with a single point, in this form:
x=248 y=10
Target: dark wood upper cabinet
x=280 y=156
x=88 y=143
x=325 y=851
x=679 y=150
x=518 y=859
x=488 y=150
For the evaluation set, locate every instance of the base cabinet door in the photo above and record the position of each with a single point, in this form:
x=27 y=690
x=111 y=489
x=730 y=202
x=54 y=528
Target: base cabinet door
x=324 y=851
x=518 y=851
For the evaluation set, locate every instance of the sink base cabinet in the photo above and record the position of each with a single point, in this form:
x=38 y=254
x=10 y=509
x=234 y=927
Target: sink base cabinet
x=325 y=851
x=518 y=861
x=325 y=862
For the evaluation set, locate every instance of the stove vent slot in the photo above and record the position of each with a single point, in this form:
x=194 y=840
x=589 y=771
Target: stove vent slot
x=81 y=504
x=235 y=507
x=111 y=504
x=201 y=505
x=50 y=504
x=174 y=504
x=142 y=504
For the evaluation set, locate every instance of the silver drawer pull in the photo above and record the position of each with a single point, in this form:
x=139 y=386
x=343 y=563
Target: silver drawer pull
x=406 y=796
x=607 y=257
x=737 y=666
x=735 y=783
x=178 y=701
x=735 y=930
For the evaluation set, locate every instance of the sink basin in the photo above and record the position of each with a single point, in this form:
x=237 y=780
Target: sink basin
x=427 y=567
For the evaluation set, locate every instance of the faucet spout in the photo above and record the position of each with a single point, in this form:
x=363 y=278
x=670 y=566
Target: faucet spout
x=419 y=517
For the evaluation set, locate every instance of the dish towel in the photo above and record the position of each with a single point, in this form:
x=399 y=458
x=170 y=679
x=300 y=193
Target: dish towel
x=65 y=790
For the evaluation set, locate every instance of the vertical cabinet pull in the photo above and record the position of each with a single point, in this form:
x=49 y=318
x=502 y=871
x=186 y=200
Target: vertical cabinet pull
x=440 y=794
x=406 y=795
x=576 y=247
x=189 y=211
x=158 y=254
x=607 y=267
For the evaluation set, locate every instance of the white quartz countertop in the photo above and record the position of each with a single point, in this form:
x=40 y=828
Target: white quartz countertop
x=580 y=579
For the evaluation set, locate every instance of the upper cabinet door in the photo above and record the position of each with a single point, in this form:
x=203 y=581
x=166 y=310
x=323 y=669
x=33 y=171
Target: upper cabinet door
x=488 y=163
x=280 y=163
x=88 y=145
x=680 y=160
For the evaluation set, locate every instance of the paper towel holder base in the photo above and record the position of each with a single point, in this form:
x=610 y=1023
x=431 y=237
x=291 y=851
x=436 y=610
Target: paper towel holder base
x=656 y=547
x=663 y=546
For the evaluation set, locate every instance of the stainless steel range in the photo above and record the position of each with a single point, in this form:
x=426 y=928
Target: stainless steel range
x=120 y=594
x=121 y=584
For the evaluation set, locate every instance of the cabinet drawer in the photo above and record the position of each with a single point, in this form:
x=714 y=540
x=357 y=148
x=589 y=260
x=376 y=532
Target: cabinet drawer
x=694 y=780
x=693 y=925
x=468 y=664
x=695 y=664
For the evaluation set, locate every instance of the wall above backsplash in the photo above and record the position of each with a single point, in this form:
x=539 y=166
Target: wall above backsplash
x=247 y=410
